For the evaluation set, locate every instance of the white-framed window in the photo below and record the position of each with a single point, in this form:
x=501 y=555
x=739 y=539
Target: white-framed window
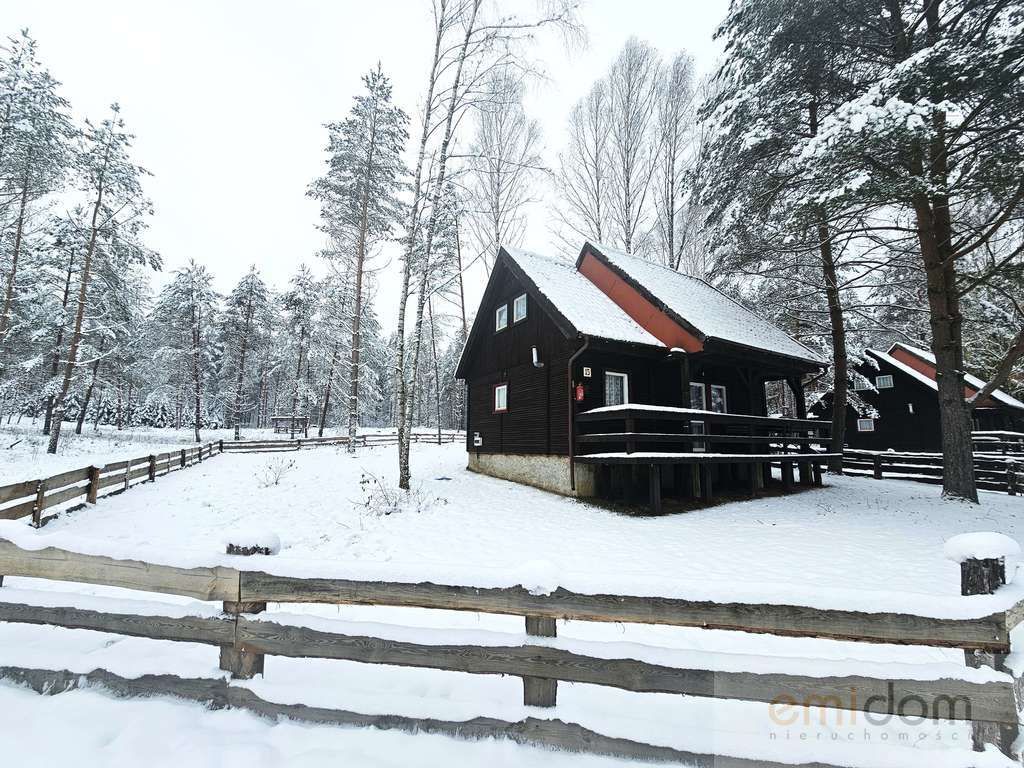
x=616 y=388
x=883 y=382
x=501 y=318
x=519 y=308
x=861 y=385
x=865 y=425
x=500 y=398
x=697 y=399
x=697 y=428
x=718 y=402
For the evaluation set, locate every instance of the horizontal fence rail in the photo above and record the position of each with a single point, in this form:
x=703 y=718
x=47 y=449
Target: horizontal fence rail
x=992 y=472
x=244 y=639
x=34 y=497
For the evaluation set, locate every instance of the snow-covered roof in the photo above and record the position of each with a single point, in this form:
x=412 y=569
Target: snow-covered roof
x=579 y=301
x=972 y=381
x=707 y=309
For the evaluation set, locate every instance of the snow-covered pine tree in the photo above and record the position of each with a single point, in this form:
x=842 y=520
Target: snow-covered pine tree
x=244 y=331
x=301 y=305
x=113 y=182
x=359 y=196
x=35 y=151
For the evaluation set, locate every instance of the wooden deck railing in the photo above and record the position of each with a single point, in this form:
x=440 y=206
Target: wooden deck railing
x=999 y=441
x=244 y=638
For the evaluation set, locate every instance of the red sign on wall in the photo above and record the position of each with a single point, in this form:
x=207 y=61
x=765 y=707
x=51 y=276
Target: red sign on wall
x=579 y=393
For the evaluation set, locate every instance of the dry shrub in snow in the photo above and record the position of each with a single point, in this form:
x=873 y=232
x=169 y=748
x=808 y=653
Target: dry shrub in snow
x=380 y=499
x=274 y=471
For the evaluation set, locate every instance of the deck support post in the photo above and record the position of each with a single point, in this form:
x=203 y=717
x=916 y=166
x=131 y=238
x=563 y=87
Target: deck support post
x=804 y=468
x=787 y=475
x=540 y=691
x=983 y=577
x=754 y=470
x=816 y=473
x=654 y=483
x=705 y=482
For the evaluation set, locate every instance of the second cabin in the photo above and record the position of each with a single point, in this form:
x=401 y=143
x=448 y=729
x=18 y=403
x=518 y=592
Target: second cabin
x=620 y=378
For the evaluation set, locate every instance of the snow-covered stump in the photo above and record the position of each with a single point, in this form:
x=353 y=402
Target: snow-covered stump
x=982 y=558
x=540 y=691
x=244 y=664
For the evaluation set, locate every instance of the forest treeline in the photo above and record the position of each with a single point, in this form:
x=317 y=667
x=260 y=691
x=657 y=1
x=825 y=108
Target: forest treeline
x=854 y=173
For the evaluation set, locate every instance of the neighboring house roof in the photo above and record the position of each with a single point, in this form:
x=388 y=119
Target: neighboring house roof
x=702 y=307
x=970 y=380
x=577 y=300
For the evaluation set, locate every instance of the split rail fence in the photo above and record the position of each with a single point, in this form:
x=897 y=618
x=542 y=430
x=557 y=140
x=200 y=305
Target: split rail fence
x=993 y=472
x=34 y=497
x=244 y=639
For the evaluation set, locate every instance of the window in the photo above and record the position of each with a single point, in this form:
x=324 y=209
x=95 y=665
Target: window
x=865 y=425
x=501 y=318
x=519 y=308
x=718 y=398
x=500 y=398
x=861 y=384
x=616 y=388
x=697 y=397
x=883 y=382
x=697 y=428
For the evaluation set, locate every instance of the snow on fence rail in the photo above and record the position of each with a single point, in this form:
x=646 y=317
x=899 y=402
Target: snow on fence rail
x=366 y=440
x=34 y=497
x=988 y=702
x=992 y=472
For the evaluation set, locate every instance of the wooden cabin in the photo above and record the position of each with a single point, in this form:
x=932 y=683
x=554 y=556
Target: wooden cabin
x=896 y=404
x=621 y=378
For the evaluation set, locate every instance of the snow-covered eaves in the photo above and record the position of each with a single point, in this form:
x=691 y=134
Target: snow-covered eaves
x=702 y=306
x=579 y=301
x=972 y=381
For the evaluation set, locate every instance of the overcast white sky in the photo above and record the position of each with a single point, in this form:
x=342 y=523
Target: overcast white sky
x=227 y=99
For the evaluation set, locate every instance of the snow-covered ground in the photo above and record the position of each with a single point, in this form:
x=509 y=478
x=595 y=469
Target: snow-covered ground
x=856 y=544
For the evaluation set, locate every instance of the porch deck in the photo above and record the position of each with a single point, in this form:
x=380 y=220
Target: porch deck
x=664 y=438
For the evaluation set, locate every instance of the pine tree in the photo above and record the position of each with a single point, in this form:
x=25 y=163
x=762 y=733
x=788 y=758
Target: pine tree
x=245 y=321
x=114 y=183
x=359 y=197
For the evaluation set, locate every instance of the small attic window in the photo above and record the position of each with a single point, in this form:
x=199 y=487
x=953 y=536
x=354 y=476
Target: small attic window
x=865 y=425
x=501 y=318
x=519 y=309
x=883 y=382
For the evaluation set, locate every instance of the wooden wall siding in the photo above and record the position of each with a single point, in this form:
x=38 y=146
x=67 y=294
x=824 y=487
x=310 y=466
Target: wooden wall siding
x=647 y=315
x=538 y=398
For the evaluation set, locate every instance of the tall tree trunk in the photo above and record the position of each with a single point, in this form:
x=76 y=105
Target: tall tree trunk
x=400 y=381
x=18 y=235
x=76 y=334
x=404 y=473
x=298 y=379
x=244 y=344
x=197 y=379
x=88 y=391
x=327 y=389
x=437 y=370
x=55 y=364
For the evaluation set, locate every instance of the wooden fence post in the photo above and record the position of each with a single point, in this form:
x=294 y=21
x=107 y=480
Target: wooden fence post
x=1012 y=477
x=243 y=664
x=540 y=691
x=152 y=468
x=983 y=576
x=876 y=467
x=128 y=475
x=94 y=485
x=221 y=446
x=182 y=458
x=37 y=507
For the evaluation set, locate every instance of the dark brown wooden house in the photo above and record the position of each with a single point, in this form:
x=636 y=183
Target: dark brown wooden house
x=896 y=403
x=616 y=374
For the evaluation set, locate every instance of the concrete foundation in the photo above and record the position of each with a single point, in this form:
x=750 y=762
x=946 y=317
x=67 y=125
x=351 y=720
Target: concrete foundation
x=549 y=473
